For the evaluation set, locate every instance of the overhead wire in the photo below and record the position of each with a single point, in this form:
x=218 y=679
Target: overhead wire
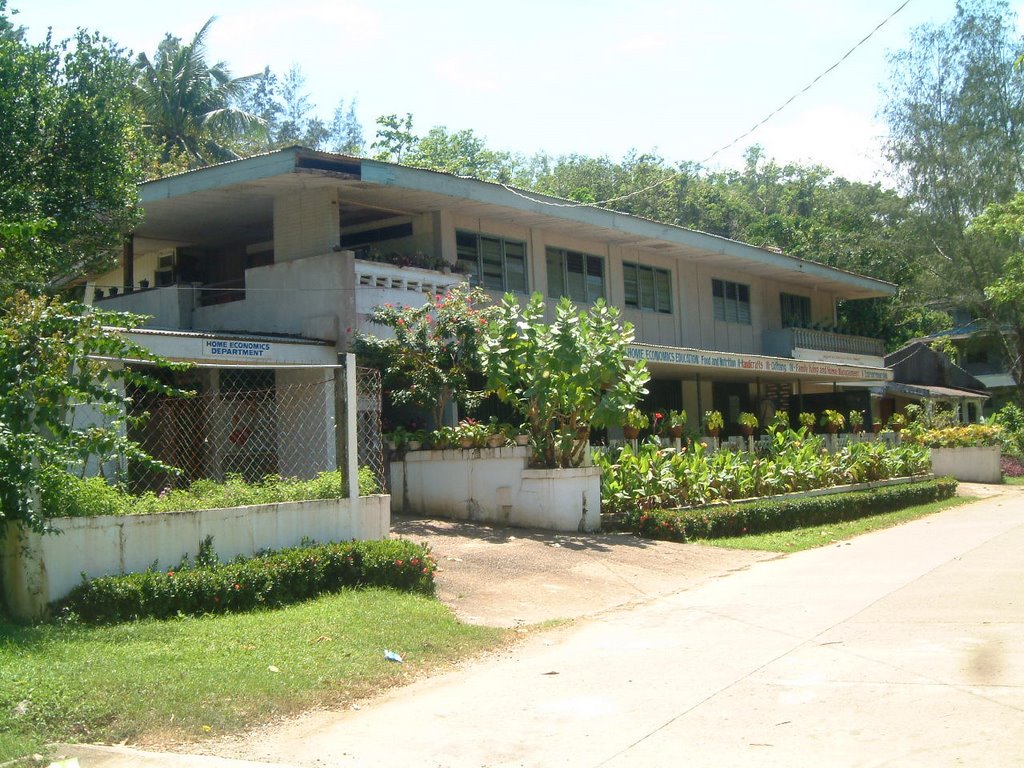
x=724 y=147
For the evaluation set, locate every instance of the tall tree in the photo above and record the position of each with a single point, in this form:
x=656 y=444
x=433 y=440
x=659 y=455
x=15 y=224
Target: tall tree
x=956 y=122
x=191 y=107
x=70 y=155
x=346 y=131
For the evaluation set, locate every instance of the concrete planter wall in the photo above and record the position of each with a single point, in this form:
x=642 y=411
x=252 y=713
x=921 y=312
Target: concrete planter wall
x=38 y=569
x=496 y=485
x=970 y=465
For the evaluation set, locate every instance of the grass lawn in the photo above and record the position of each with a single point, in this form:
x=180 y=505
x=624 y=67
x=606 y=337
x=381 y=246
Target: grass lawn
x=194 y=677
x=1013 y=480
x=820 y=535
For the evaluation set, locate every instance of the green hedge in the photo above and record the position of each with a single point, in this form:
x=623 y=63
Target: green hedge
x=245 y=584
x=65 y=495
x=784 y=514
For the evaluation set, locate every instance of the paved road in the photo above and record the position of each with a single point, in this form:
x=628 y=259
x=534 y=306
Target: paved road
x=903 y=648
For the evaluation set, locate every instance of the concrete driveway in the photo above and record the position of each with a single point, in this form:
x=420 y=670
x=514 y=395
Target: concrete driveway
x=904 y=647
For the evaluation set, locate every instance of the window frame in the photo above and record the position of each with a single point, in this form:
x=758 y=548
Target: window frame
x=644 y=287
x=563 y=255
x=804 y=312
x=735 y=308
x=477 y=276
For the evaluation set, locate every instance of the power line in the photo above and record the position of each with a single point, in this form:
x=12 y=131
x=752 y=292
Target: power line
x=732 y=143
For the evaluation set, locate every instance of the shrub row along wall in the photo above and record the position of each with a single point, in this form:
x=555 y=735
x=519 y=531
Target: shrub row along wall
x=41 y=568
x=784 y=514
x=271 y=580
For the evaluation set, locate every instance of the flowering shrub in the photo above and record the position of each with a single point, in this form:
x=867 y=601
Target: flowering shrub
x=266 y=581
x=785 y=514
x=432 y=355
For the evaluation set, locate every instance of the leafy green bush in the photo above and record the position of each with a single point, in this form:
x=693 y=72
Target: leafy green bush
x=960 y=436
x=784 y=514
x=654 y=477
x=1011 y=419
x=65 y=495
x=246 y=584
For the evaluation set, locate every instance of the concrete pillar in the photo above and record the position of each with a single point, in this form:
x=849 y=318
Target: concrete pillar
x=306 y=223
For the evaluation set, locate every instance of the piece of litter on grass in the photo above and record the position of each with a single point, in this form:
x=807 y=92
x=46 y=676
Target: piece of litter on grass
x=272 y=668
x=392 y=656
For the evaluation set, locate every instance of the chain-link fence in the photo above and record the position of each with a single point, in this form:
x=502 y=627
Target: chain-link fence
x=253 y=423
x=368 y=424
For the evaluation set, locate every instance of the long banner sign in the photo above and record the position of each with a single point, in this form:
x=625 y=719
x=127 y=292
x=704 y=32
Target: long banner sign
x=754 y=363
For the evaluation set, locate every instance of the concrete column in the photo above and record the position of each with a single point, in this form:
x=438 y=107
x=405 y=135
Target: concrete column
x=306 y=223
x=346 y=435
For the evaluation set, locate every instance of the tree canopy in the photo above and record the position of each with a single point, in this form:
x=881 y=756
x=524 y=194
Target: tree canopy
x=71 y=154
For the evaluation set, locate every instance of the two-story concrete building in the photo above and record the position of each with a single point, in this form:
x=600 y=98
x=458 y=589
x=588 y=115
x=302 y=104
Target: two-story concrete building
x=258 y=262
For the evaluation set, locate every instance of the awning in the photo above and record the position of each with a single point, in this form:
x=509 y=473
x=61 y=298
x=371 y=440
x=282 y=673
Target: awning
x=683 y=360
x=930 y=392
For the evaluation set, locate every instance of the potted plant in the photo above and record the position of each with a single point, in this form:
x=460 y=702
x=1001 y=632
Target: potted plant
x=635 y=421
x=497 y=433
x=897 y=422
x=443 y=438
x=832 y=420
x=415 y=439
x=807 y=421
x=471 y=433
x=676 y=421
x=748 y=423
x=856 y=421
x=519 y=435
x=397 y=438
x=658 y=423
x=876 y=425
x=713 y=423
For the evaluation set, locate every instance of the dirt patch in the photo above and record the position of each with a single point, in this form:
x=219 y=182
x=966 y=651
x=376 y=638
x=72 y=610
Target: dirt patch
x=508 y=577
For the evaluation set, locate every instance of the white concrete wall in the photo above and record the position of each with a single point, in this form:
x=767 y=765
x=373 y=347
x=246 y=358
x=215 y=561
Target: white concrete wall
x=306 y=223
x=38 y=569
x=969 y=465
x=494 y=485
x=691 y=323
x=311 y=296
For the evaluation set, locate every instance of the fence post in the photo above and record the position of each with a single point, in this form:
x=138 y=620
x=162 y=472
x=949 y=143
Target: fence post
x=346 y=404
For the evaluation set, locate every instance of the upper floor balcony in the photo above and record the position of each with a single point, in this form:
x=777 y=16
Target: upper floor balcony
x=310 y=297
x=824 y=346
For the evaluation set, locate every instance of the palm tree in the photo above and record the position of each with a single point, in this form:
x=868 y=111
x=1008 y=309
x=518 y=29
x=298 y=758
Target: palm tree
x=190 y=107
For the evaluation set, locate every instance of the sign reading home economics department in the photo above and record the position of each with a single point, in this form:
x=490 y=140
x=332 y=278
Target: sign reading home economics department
x=753 y=363
x=235 y=349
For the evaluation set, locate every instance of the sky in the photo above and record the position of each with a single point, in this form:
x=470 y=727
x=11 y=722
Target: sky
x=681 y=78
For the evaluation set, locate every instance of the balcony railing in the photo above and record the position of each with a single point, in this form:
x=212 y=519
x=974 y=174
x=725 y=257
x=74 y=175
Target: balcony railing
x=375 y=274
x=781 y=343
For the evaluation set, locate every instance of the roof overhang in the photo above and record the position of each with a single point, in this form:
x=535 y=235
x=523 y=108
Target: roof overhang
x=235 y=201
x=682 y=362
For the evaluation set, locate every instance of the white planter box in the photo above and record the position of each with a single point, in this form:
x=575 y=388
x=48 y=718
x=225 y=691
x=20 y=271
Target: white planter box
x=970 y=465
x=495 y=485
x=38 y=569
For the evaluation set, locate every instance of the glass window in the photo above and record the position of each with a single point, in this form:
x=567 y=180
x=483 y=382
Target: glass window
x=576 y=275
x=493 y=262
x=796 y=310
x=730 y=301
x=647 y=287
